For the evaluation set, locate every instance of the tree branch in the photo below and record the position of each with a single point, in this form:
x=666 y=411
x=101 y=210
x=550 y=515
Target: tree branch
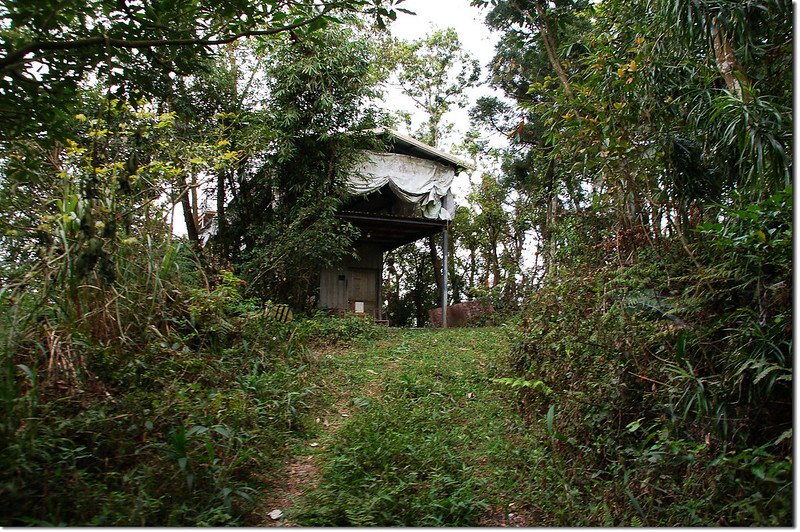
x=549 y=43
x=14 y=58
x=729 y=67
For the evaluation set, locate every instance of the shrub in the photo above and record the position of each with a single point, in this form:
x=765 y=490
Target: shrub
x=666 y=382
x=334 y=330
x=152 y=406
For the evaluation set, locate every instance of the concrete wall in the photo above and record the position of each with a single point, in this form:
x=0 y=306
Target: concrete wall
x=461 y=314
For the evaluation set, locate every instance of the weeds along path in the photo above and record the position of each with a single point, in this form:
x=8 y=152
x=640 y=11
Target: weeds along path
x=414 y=433
x=344 y=380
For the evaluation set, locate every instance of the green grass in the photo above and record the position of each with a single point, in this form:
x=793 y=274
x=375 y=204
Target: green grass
x=427 y=439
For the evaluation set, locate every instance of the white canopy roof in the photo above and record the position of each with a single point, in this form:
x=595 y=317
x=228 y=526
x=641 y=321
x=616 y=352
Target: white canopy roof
x=415 y=180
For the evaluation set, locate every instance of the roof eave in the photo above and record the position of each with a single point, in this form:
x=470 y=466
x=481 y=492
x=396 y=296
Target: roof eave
x=434 y=153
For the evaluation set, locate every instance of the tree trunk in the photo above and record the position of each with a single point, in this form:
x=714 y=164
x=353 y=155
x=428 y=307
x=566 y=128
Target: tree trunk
x=436 y=263
x=495 y=262
x=189 y=219
x=729 y=67
x=195 y=202
x=418 y=303
x=456 y=285
x=546 y=231
x=550 y=46
x=221 y=202
x=473 y=266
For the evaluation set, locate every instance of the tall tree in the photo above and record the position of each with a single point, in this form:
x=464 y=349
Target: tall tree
x=435 y=73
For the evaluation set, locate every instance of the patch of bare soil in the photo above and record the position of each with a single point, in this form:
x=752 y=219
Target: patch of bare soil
x=301 y=475
x=507 y=516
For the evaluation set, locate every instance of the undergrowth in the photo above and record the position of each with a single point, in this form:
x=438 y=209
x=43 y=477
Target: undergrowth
x=158 y=398
x=324 y=330
x=661 y=390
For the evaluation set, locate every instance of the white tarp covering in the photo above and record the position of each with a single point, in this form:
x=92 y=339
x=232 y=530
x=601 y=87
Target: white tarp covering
x=415 y=180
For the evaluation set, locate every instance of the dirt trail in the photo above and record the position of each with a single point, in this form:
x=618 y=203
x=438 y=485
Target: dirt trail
x=301 y=475
x=301 y=472
x=427 y=393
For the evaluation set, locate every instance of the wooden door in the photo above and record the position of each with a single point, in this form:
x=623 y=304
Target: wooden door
x=363 y=287
x=333 y=289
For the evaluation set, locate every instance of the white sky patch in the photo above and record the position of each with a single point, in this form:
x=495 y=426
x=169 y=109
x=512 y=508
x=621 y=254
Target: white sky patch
x=440 y=14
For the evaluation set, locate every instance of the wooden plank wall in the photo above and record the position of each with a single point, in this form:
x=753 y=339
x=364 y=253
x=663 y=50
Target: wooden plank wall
x=341 y=287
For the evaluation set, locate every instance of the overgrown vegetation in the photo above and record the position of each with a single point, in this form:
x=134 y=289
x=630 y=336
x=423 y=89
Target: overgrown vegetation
x=141 y=381
x=655 y=348
x=649 y=159
x=665 y=394
x=163 y=403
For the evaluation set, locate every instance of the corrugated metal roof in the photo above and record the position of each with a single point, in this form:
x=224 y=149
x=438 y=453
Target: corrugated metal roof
x=432 y=152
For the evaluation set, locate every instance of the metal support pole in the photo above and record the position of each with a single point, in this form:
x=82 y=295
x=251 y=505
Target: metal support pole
x=444 y=276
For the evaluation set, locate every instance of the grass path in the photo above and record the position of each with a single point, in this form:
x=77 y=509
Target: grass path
x=412 y=431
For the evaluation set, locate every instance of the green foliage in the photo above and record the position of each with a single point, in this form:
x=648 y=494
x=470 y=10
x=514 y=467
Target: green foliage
x=121 y=357
x=410 y=285
x=675 y=381
x=493 y=229
x=397 y=476
x=653 y=142
x=652 y=364
x=50 y=48
x=288 y=256
x=331 y=330
x=279 y=226
x=533 y=385
x=154 y=412
x=755 y=127
x=425 y=444
x=434 y=71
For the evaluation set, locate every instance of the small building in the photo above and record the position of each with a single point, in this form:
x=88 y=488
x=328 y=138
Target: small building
x=399 y=196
